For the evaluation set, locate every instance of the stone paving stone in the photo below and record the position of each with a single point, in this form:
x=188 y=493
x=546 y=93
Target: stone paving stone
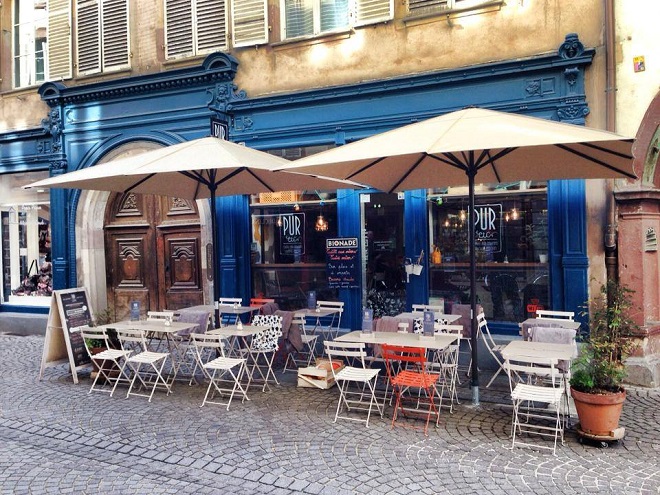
x=57 y=438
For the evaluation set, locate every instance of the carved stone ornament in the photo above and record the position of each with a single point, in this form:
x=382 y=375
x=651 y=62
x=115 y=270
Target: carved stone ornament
x=58 y=167
x=571 y=47
x=221 y=96
x=53 y=125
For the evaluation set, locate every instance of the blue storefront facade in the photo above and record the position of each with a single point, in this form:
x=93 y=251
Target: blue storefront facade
x=89 y=123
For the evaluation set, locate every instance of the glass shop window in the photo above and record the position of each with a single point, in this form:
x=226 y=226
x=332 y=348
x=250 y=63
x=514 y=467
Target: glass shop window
x=289 y=230
x=511 y=223
x=25 y=237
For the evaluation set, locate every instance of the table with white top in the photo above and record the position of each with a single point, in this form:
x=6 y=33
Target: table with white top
x=240 y=338
x=164 y=328
x=562 y=352
x=319 y=313
x=227 y=309
x=436 y=342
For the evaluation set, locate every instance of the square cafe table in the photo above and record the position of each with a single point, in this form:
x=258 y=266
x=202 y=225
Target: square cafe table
x=169 y=331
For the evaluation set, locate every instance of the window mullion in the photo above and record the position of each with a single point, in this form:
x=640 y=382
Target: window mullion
x=317 y=16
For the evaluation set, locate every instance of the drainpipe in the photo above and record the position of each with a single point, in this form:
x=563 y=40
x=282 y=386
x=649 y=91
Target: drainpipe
x=611 y=260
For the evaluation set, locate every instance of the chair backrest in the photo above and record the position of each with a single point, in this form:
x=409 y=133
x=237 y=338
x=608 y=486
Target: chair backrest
x=485 y=331
x=452 y=329
x=260 y=301
x=352 y=353
x=91 y=334
x=230 y=301
x=428 y=307
x=338 y=305
x=160 y=315
x=563 y=315
x=207 y=345
x=132 y=339
x=299 y=319
x=411 y=355
x=521 y=368
x=267 y=340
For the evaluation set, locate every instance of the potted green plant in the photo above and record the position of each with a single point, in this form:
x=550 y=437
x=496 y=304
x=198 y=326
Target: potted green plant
x=598 y=374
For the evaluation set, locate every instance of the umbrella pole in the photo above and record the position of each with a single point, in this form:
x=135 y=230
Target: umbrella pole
x=473 y=288
x=214 y=257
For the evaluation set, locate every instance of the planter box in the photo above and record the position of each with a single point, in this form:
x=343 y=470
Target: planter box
x=318 y=376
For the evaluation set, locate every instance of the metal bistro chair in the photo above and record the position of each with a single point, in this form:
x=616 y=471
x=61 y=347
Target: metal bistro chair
x=527 y=395
x=108 y=362
x=309 y=346
x=356 y=372
x=229 y=318
x=224 y=373
x=132 y=339
x=413 y=378
x=445 y=362
x=494 y=349
x=264 y=345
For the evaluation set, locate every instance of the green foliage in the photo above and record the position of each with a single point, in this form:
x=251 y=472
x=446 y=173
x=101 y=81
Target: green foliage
x=600 y=368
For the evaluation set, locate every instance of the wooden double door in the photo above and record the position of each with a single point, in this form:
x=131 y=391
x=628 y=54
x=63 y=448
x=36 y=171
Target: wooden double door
x=153 y=253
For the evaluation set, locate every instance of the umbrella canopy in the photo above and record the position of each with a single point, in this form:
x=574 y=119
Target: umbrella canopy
x=196 y=169
x=459 y=148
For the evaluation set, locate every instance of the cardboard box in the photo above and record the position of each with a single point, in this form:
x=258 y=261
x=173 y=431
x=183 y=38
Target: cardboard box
x=318 y=376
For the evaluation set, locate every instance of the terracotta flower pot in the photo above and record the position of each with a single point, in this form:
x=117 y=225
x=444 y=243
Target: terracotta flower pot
x=598 y=413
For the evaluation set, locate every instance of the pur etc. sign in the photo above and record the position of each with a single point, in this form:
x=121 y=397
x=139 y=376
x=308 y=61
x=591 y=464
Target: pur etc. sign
x=488 y=227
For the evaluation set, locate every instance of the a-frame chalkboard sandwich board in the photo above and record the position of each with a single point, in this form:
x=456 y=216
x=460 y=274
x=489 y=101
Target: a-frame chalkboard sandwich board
x=69 y=310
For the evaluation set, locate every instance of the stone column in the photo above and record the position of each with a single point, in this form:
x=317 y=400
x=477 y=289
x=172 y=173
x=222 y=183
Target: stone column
x=639 y=269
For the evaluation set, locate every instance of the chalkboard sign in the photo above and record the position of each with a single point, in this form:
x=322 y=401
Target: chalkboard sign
x=343 y=263
x=69 y=310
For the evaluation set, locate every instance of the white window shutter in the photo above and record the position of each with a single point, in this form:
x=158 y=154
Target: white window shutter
x=116 y=39
x=89 y=36
x=211 y=17
x=59 y=40
x=179 y=28
x=427 y=6
x=249 y=22
x=372 y=11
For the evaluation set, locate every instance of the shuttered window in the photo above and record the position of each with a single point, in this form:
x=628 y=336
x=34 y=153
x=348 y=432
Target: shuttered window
x=432 y=6
x=249 y=22
x=58 y=51
x=195 y=27
x=372 y=11
x=316 y=17
x=103 y=41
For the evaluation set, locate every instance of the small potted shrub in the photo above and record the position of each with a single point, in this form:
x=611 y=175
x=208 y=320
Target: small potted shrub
x=598 y=374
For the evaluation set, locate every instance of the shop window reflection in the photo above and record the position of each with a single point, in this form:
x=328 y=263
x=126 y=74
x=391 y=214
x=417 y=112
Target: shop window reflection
x=512 y=248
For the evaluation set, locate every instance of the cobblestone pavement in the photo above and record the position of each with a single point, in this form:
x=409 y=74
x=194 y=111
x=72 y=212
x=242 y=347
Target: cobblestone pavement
x=55 y=438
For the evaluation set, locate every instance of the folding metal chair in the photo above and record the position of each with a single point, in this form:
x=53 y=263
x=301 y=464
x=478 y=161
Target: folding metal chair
x=224 y=373
x=363 y=397
x=414 y=377
x=494 y=349
x=229 y=318
x=109 y=362
x=526 y=395
x=263 y=347
x=135 y=340
x=334 y=324
x=446 y=364
x=308 y=353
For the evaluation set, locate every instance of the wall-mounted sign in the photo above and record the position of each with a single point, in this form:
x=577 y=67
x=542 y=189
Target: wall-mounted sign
x=639 y=64
x=292 y=234
x=343 y=263
x=488 y=227
x=219 y=129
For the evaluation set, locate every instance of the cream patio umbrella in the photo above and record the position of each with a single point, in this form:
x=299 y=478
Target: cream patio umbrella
x=196 y=169
x=462 y=147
